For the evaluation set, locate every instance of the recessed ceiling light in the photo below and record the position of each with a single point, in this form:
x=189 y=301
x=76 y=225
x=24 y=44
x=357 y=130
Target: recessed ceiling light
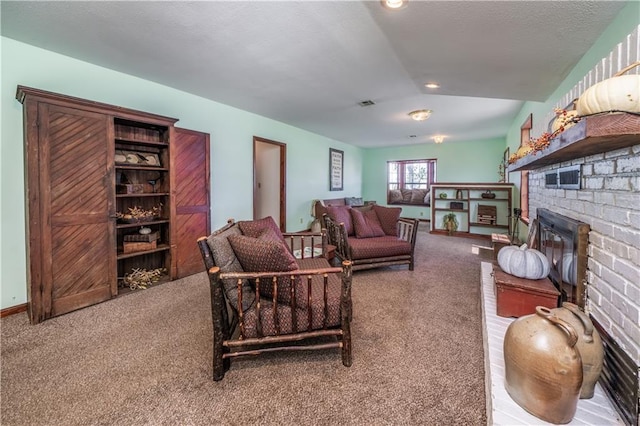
x=421 y=114
x=394 y=4
x=432 y=86
x=438 y=138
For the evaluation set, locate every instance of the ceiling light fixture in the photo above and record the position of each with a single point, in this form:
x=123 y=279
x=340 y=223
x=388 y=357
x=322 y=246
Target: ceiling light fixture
x=438 y=138
x=394 y=4
x=421 y=114
x=432 y=86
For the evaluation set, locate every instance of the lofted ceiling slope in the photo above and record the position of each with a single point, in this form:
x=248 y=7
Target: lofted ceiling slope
x=309 y=63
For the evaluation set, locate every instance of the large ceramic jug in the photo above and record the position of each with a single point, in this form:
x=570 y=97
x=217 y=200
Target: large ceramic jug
x=589 y=345
x=543 y=369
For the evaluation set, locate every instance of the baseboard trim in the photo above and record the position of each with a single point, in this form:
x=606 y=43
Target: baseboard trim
x=13 y=310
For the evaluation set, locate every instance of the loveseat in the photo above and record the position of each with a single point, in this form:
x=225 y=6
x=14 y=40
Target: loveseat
x=371 y=236
x=272 y=291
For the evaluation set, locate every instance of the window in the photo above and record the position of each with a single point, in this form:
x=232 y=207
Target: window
x=525 y=136
x=409 y=181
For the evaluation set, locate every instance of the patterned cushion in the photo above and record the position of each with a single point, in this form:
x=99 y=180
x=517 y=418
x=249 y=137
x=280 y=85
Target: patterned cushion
x=366 y=224
x=388 y=217
x=223 y=254
x=284 y=317
x=255 y=228
x=225 y=258
x=260 y=255
x=340 y=214
x=367 y=248
x=417 y=196
x=395 y=196
x=353 y=201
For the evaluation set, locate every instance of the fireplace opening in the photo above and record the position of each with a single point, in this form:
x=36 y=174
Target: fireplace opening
x=564 y=241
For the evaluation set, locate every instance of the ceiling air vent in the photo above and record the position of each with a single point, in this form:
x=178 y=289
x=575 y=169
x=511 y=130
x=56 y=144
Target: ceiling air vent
x=366 y=103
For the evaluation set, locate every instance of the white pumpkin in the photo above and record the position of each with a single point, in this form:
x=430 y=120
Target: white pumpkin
x=523 y=262
x=567 y=268
x=618 y=93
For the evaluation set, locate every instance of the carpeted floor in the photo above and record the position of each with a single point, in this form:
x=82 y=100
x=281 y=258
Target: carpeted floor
x=145 y=358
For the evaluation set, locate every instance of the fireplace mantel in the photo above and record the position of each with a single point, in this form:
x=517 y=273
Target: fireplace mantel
x=592 y=135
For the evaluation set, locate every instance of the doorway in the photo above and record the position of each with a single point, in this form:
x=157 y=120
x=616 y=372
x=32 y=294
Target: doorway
x=269 y=180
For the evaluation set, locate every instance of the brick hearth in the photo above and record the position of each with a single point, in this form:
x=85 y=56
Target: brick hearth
x=501 y=409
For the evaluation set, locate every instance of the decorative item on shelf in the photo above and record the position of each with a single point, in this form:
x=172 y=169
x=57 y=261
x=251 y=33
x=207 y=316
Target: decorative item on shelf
x=450 y=223
x=442 y=195
x=488 y=194
x=620 y=93
x=456 y=205
x=154 y=181
x=589 y=346
x=565 y=118
x=487 y=214
x=136 y=246
x=541 y=359
x=134 y=158
x=147 y=238
x=459 y=194
x=125 y=186
x=523 y=262
x=535 y=145
x=138 y=214
x=144 y=230
x=141 y=278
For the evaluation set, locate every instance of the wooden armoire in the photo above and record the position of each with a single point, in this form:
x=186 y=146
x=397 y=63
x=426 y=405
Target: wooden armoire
x=87 y=165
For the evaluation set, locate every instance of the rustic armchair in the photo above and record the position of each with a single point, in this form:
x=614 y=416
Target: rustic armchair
x=265 y=299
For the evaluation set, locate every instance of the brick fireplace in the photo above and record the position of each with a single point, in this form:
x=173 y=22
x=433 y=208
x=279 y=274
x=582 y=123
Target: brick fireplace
x=608 y=199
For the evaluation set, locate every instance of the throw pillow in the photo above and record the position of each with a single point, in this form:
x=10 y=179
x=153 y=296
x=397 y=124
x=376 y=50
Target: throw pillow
x=255 y=228
x=388 y=217
x=260 y=255
x=366 y=224
x=340 y=214
x=417 y=196
x=395 y=196
x=225 y=258
x=353 y=201
x=223 y=254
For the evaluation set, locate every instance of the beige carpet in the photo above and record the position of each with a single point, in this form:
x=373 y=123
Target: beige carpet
x=145 y=358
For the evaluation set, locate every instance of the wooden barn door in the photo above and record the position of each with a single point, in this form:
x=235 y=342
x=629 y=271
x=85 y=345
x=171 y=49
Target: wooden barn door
x=190 y=191
x=71 y=234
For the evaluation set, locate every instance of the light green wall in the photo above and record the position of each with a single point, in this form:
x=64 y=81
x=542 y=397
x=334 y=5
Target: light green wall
x=624 y=24
x=231 y=131
x=471 y=161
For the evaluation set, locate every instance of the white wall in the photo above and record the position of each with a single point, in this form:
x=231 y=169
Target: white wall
x=232 y=131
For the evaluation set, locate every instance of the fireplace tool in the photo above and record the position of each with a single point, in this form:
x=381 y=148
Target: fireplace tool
x=515 y=219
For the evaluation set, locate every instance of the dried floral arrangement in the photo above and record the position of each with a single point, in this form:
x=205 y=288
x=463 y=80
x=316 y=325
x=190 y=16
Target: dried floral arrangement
x=141 y=278
x=139 y=214
x=565 y=119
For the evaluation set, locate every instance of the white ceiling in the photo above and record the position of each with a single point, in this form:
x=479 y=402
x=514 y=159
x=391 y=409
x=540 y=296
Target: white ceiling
x=308 y=64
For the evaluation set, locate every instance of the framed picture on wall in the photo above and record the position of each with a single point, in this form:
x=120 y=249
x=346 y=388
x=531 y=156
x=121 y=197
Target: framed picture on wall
x=336 y=169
